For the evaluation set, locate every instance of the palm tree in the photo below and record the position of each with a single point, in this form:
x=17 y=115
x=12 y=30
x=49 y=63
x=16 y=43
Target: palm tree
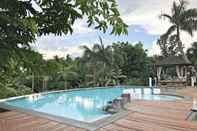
x=98 y=57
x=181 y=19
x=98 y=53
x=115 y=76
x=192 y=55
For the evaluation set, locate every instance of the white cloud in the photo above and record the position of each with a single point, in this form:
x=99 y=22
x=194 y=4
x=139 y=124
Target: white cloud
x=49 y=53
x=74 y=51
x=134 y=12
x=146 y=15
x=154 y=50
x=51 y=45
x=61 y=46
x=137 y=30
x=187 y=39
x=80 y=27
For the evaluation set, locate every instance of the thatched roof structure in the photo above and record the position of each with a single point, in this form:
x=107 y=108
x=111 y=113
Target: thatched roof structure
x=181 y=60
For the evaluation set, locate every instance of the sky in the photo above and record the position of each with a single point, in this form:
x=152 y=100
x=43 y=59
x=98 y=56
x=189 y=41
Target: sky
x=142 y=18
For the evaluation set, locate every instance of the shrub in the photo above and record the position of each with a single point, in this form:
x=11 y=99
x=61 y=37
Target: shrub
x=56 y=85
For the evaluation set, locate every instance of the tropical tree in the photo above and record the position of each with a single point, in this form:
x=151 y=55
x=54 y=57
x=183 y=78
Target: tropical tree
x=97 y=58
x=121 y=63
x=192 y=55
x=115 y=77
x=182 y=19
x=168 y=46
x=132 y=60
x=22 y=20
x=13 y=77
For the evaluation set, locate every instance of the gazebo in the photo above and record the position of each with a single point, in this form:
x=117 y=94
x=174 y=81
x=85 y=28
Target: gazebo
x=179 y=68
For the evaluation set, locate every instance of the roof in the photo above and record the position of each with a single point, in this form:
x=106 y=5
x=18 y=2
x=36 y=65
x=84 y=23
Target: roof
x=174 y=60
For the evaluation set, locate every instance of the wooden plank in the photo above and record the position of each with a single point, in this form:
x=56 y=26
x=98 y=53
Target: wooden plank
x=13 y=123
x=61 y=127
x=114 y=127
x=7 y=114
x=177 y=105
x=17 y=116
x=162 y=122
x=48 y=126
x=143 y=116
x=135 y=125
x=29 y=124
x=173 y=114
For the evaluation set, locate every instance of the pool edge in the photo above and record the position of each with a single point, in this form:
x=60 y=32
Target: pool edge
x=85 y=125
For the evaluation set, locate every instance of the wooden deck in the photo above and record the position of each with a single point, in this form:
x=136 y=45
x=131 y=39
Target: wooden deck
x=143 y=116
x=155 y=116
x=17 y=121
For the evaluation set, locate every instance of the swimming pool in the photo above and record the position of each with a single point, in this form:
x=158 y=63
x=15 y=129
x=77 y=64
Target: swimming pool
x=83 y=105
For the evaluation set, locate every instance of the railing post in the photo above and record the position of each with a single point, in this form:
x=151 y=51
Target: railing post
x=150 y=81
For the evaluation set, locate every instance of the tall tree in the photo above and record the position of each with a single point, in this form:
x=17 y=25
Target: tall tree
x=98 y=60
x=182 y=19
x=132 y=60
x=168 y=46
x=22 y=20
x=192 y=54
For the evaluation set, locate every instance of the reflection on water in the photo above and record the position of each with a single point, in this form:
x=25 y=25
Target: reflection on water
x=83 y=105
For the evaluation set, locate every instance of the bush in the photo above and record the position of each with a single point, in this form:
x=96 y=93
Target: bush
x=56 y=85
x=13 y=91
x=135 y=81
x=7 y=92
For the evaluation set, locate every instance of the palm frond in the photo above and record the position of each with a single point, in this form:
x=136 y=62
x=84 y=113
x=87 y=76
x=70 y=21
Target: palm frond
x=182 y=5
x=87 y=50
x=189 y=14
x=169 y=31
x=84 y=47
x=165 y=16
x=97 y=48
x=190 y=26
x=189 y=30
x=174 y=9
x=101 y=42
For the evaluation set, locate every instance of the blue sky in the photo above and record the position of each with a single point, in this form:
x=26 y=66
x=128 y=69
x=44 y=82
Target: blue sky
x=140 y=15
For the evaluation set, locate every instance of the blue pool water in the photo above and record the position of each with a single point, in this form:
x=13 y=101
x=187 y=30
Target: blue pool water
x=83 y=105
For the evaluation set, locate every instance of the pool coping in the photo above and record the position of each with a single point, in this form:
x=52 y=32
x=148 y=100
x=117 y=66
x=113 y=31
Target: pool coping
x=172 y=94
x=98 y=123
x=66 y=90
x=90 y=126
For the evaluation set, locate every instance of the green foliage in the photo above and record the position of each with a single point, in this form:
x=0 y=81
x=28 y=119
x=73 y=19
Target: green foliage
x=116 y=64
x=120 y=63
x=192 y=54
x=168 y=46
x=131 y=59
x=12 y=86
x=134 y=81
x=181 y=18
x=56 y=86
x=21 y=21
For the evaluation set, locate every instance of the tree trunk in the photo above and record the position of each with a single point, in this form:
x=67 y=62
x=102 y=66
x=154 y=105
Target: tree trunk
x=32 y=82
x=180 y=45
x=94 y=76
